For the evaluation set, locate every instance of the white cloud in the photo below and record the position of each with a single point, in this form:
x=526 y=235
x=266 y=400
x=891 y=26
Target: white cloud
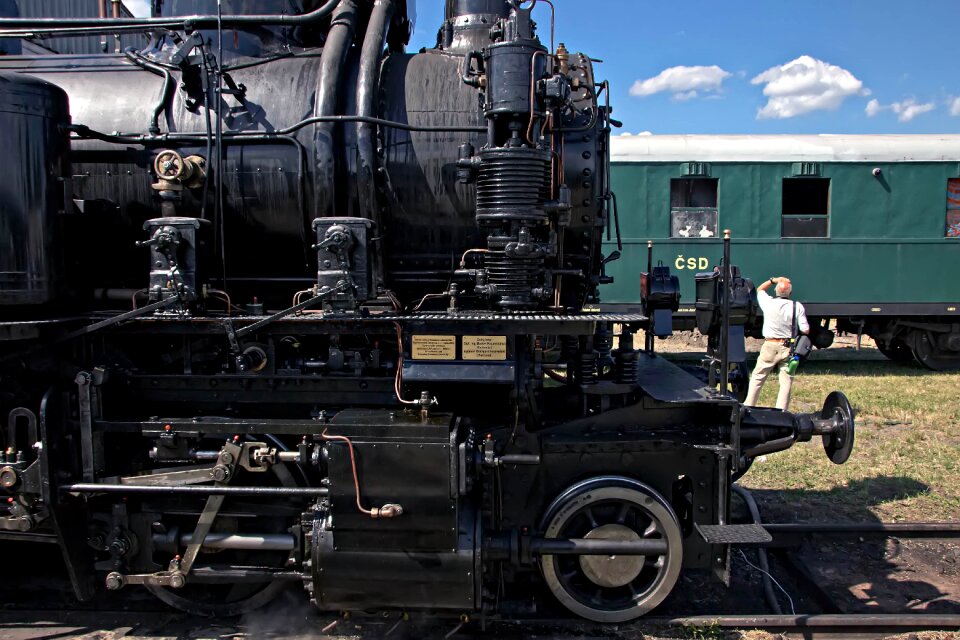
x=804 y=85
x=139 y=8
x=910 y=109
x=627 y=134
x=906 y=110
x=955 y=106
x=683 y=83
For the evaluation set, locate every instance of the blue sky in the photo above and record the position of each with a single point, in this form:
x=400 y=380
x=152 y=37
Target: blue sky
x=848 y=53
x=761 y=66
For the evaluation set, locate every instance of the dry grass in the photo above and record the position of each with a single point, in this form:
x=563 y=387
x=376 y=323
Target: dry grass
x=906 y=462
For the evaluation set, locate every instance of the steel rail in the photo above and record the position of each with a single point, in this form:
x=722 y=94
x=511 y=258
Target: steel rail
x=899 y=529
x=849 y=622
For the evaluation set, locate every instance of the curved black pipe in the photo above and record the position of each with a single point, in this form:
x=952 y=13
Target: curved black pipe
x=747 y=498
x=332 y=65
x=161 y=106
x=772 y=446
x=367 y=82
x=186 y=22
x=133 y=138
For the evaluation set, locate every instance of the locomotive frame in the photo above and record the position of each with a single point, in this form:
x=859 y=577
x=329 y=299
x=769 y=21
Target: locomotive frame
x=482 y=446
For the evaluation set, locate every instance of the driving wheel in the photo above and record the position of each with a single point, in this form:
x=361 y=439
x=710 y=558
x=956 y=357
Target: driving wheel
x=611 y=588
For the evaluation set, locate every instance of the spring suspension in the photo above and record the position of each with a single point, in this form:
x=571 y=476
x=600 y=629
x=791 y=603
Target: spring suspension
x=603 y=343
x=568 y=348
x=586 y=362
x=625 y=360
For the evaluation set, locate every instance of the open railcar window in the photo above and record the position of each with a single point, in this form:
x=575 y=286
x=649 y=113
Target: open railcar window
x=693 y=208
x=953 y=208
x=806 y=208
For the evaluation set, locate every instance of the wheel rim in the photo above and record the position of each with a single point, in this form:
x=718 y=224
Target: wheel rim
x=610 y=588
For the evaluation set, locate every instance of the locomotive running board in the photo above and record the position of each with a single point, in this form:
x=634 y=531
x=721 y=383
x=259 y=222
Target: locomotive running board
x=734 y=534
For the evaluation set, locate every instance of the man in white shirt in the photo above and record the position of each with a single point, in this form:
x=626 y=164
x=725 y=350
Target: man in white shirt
x=778 y=316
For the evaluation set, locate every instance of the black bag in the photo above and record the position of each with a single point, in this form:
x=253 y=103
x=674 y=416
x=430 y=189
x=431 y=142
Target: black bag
x=801 y=344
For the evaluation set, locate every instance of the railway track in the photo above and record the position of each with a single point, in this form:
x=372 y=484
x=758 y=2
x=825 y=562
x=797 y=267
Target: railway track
x=110 y=625
x=34 y=618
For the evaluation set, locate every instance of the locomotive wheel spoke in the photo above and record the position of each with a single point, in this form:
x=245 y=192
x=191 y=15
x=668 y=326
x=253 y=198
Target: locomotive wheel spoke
x=622 y=513
x=591 y=518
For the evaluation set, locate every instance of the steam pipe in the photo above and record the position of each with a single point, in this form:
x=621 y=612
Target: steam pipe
x=367 y=82
x=185 y=22
x=161 y=105
x=332 y=63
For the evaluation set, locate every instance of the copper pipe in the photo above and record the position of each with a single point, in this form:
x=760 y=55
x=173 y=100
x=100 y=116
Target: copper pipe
x=397 y=381
x=533 y=88
x=387 y=510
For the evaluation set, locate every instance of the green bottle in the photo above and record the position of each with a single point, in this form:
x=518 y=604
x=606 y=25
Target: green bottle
x=793 y=364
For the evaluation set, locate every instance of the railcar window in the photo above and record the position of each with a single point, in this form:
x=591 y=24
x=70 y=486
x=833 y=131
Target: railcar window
x=953 y=208
x=806 y=208
x=693 y=208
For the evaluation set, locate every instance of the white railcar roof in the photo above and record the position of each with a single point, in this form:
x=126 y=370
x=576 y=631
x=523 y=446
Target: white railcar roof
x=786 y=148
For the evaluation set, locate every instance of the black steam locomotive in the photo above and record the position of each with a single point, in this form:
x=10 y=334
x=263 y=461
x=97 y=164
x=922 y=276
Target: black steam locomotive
x=283 y=303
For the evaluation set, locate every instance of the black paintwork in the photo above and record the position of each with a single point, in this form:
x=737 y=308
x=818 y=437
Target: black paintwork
x=318 y=353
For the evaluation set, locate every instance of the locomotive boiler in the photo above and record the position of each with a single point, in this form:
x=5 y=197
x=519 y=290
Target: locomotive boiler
x=283 y=303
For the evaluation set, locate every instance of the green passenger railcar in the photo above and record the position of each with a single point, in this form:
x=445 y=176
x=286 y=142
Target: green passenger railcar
x=867 y=227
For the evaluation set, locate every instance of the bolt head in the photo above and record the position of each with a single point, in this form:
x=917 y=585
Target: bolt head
x=114 y=581
x=177 y=581
x=8 y=477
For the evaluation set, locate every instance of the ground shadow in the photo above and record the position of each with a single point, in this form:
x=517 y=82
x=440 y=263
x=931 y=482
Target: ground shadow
x=864 y=573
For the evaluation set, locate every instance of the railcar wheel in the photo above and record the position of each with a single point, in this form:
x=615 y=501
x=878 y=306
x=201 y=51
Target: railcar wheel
x=927 y=353
x=895 y=350
x=227 y=600
x=608 y=588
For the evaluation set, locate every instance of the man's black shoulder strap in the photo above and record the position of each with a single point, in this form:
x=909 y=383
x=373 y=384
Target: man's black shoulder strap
x=793 y=325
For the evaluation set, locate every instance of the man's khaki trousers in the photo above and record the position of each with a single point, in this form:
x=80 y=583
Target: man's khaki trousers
x=772 y=355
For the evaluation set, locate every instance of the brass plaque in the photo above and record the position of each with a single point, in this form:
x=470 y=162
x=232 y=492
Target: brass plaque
x=434 y=347
x=484 y=347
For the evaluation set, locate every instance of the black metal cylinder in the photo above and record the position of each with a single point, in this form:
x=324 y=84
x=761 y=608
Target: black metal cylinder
x=509 y=78
x=457 y=8
x=467 y=23
x=33 y=144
